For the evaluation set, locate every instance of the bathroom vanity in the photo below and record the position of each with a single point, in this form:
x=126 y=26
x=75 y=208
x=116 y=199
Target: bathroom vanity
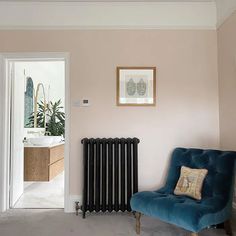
x=43 y=163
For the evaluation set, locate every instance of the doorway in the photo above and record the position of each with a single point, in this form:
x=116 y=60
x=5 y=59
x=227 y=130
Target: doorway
x=36 y=154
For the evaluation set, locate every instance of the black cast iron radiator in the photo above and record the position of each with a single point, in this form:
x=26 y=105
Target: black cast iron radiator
x=110 y=174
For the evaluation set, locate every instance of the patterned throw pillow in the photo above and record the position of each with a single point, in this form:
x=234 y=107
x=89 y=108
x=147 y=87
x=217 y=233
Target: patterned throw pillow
x=190 y=182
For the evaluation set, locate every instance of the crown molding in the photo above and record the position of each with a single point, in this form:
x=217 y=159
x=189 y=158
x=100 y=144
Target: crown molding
x=224 y=18
x=224 y=10
x=107 y=15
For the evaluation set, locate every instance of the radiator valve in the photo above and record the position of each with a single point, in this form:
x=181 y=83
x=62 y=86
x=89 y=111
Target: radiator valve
x=77 y=207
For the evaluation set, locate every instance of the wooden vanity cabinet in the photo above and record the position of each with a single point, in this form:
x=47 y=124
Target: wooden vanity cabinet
x=43 y=163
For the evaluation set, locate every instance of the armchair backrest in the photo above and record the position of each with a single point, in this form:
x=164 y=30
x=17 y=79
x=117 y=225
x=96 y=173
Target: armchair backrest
x=220 y=165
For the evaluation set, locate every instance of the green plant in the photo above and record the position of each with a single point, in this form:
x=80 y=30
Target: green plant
x=55 y=118
x=55 y=124
x=42 y=110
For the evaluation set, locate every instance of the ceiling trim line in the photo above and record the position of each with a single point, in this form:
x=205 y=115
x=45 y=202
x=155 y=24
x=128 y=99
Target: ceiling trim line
x=115 y=27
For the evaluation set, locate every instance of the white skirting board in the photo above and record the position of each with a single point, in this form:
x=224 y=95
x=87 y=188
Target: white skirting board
x=72 y=201
x=78 y=198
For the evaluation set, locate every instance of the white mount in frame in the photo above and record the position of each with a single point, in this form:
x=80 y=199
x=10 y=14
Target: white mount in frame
x=136 y=86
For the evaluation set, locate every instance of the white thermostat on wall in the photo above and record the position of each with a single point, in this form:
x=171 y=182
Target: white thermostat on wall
x=85 y=102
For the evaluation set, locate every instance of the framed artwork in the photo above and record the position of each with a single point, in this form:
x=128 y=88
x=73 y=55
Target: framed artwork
x=136 y=86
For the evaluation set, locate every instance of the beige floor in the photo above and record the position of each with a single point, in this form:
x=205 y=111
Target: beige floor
x=43 y=194
x=25 y=222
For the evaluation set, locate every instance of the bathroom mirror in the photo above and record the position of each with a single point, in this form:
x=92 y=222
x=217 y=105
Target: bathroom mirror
x=29 y=102
x=35 y=105
x=40 y=107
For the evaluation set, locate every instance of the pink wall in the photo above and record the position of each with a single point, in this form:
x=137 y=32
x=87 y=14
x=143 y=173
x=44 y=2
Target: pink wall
x=187 y=90
x=227 y=82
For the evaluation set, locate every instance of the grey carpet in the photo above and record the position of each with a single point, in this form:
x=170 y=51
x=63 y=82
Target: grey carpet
x=22 y=222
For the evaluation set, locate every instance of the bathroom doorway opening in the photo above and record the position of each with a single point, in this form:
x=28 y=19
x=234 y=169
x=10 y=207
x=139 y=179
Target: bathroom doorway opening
x=36 y=142
x=38 y=112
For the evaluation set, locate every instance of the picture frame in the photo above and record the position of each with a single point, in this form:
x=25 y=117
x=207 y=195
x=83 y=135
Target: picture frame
x=136 y=86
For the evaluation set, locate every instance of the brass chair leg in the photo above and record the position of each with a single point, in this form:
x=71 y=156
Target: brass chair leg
x=228 y=228
x=194 y=234
x=137 y=216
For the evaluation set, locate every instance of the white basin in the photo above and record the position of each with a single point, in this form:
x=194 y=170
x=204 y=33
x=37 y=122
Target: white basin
x=57 y=139
x=45 y=140
x=42 y=140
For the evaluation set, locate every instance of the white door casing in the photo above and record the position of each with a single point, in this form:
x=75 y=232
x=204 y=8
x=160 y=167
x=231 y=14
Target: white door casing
x=17 y=136
x=5 y=96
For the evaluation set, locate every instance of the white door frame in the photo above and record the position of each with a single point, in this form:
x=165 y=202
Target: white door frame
x=5 y=101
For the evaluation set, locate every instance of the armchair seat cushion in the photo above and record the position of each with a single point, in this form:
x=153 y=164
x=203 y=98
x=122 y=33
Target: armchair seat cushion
x=178 y=210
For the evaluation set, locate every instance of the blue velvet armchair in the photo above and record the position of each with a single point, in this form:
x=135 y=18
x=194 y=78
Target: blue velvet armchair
x=193 y=215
